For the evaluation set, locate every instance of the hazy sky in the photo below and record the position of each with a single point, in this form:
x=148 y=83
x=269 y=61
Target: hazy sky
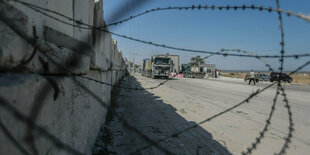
x=213 y=30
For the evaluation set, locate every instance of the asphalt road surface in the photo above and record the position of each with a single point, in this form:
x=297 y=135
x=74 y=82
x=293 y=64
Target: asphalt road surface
x=182 y=102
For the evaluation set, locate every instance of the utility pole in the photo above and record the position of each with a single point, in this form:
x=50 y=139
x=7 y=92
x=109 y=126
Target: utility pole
x=130 y=55
x=133 y=60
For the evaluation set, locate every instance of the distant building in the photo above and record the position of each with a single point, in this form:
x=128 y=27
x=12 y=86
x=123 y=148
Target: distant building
x=176 y=61
x=129 y=66
x=209 y=69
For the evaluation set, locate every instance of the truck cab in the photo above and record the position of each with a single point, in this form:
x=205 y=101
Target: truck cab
x=161 y=66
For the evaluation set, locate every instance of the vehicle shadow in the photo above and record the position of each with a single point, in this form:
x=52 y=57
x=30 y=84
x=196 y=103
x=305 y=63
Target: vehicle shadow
x=152 y=117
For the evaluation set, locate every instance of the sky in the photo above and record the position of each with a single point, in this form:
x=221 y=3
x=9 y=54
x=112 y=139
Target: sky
x=212 y=30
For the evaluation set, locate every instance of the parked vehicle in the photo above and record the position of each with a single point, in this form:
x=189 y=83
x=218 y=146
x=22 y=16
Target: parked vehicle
x=280 y=77
x=257 y=77
x=264 y=77
x=191 y=71
x=157 y=66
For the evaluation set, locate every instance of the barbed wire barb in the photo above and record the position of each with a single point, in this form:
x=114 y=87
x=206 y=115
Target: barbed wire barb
x=37 y=49
x=38 y=9
x=291 y=124
x=258 y=139
x=213 y=7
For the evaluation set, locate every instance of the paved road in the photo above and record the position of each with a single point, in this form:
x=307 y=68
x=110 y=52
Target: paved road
x=183 y=102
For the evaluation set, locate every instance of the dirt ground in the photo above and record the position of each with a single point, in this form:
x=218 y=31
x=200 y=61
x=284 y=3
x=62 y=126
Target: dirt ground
x=180 y=103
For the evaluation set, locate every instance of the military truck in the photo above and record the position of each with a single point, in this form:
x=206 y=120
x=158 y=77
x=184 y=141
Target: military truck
x=156 y=67
x=191 y=71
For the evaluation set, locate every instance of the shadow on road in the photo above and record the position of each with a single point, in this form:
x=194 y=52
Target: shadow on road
x=157 y=120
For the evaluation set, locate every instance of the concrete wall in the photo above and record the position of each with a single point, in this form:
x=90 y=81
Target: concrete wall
x=83 y=11
x=42 y=90
x=37 y=19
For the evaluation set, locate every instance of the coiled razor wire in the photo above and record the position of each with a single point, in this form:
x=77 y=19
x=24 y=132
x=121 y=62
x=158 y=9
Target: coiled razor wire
x=213 y=7
x=87 y=26
x=268 y=122
x=61 y=145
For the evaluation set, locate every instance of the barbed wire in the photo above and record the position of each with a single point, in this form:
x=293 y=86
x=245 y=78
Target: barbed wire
x=254 y=55
x=202 y=51
x=32 y=42
x=265 y=129
x=125 y=124
x=31 y=6
x=176 y=134
x=120 y=87
x=41 y=130
x=213 y=7
x=282 y=43
x=31 y=123
x=234 y=50
x=151 y=142
x=154 y=87
x=109 y=107
x=24 y=118
x=291 y=124
x=161 y=83
x=258 y=91
x=268 y=121
x=37 y=45
x=282 y=51
x=79 y=23
x=301 y=67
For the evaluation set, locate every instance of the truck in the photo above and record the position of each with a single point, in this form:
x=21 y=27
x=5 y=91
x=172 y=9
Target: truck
x=193 y=71
x=156 y=67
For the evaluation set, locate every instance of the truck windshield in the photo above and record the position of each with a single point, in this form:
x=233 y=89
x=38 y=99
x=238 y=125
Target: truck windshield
x=161 y=61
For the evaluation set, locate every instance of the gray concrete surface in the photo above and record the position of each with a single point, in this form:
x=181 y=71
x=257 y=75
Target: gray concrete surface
x=41 y=88
x=182 y=102
x=68 y=112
